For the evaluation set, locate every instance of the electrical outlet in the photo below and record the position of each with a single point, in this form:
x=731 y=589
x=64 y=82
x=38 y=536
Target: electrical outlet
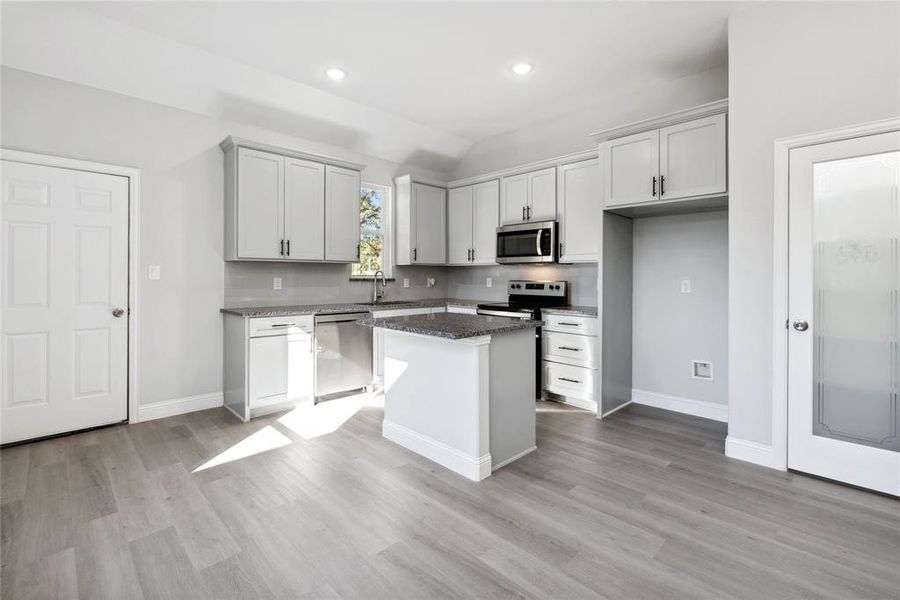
x=429 y=282
x=702 y=369
x=153 y=272
x=489 y=282
x=406 y=282
x=685 y=286
x=276 y=283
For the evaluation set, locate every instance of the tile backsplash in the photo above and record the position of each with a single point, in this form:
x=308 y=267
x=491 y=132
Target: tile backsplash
x=470 y=282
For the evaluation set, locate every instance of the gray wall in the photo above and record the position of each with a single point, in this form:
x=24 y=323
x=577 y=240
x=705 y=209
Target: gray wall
x=670 y=328
x=469 y=282
x=181 y=213
x=570 y=133
x=794 y=68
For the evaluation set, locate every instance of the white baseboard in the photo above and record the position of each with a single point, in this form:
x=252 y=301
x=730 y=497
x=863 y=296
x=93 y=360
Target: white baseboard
x=178 y=406
x=514 y=458
x=688 y=406
x=753 y=452
x=475 y=468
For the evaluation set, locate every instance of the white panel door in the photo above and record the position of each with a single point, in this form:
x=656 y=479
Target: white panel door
x=268 y=371
x=513 y=199
x=65 y=274
x=542 y=195
x=459 y=225
x=341 y=214
x=304 y=209
x=579 y=211
x=486 y=218
x=692 y=158
x=429 y=216
x=260 y=199
x=844 y=307
x=631 y=169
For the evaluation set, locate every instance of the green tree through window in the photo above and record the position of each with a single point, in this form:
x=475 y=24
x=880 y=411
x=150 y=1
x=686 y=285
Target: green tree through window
x=371 y=232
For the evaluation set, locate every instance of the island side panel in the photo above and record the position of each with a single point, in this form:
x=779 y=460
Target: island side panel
x=235 y=366
x=512 y=420
x=436 y=399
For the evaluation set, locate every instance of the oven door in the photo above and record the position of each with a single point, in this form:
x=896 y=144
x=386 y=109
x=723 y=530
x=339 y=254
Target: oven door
x=527 y=243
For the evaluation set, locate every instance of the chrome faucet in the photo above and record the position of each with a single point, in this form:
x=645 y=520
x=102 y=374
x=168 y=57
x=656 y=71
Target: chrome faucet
x=375 y=294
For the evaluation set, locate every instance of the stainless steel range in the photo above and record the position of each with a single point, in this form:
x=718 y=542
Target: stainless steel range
x=526 y=299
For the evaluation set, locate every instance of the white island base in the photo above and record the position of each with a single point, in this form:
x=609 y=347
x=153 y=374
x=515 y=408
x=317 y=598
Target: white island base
x=466 y=404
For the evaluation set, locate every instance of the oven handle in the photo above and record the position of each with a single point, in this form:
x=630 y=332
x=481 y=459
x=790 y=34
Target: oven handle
x=537 y=239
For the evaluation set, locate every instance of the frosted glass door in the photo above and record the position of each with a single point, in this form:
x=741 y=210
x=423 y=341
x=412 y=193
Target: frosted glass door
x=844 y=344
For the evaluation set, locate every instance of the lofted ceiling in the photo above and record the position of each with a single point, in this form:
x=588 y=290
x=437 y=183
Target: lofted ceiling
x=434 y=74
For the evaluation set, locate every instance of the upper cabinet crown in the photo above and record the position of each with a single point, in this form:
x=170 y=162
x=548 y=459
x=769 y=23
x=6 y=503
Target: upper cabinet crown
x=528 y=197
x=282 y=205
x=421 y=225
x=682 y=160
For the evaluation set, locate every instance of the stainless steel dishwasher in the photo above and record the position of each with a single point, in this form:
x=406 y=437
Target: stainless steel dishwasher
x=343 y=353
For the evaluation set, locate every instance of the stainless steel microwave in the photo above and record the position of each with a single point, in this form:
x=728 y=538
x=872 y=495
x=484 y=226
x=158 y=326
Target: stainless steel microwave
x=527 y=243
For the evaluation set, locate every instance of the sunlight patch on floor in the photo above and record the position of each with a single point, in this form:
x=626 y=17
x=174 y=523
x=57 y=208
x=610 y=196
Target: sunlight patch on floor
x=267 y=438
x=326 y=417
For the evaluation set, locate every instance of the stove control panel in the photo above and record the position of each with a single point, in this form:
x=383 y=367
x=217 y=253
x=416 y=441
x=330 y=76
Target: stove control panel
x=537 y=288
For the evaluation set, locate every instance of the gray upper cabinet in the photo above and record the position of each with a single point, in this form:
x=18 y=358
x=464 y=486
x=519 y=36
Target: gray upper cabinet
x=421 y=223
x=283 y=205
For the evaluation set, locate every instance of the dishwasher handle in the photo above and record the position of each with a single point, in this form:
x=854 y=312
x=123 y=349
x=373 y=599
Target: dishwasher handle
x=342 y=317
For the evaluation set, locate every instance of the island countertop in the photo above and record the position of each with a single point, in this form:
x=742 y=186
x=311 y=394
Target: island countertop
x=451 y=326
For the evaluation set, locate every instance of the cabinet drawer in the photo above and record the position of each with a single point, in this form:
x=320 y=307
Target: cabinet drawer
x=261 y=326
x=569 y=348
x=567 y=380
x=571 y=324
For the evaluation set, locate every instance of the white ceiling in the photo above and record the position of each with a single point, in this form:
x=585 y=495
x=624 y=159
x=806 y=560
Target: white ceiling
x=439 y=67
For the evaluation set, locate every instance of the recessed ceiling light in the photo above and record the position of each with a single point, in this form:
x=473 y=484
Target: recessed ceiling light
x=522 y=68
x=335 y=74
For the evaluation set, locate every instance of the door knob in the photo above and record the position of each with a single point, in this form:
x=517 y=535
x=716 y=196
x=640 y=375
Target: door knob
x=801 y=325
x=118 y=312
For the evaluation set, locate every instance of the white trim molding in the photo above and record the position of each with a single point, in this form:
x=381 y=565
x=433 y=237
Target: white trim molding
x=537 y=165
x=781 y=272
x=513 y=458
x=688 y=406
x=239 y=142
x=134 y=248
x=475 y=468
x=695 y=112
x=180 y=406
x=752 y=452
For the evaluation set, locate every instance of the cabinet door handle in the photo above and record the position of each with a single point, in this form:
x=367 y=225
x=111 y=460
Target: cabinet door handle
x=662 y=185
x=289 y=247
x=529 y=213
x=569 y=348
x=523 y=213
x=473 y=254
x=282 y=248
x=569 y=380
x=415 y=253
x=561 y=247
x=654 y=187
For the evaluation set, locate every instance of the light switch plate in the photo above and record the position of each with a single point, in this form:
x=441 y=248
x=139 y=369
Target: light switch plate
x=276 y=283
x=153 y=272
x=685 y=286
x=489 y=282
x=406 y=282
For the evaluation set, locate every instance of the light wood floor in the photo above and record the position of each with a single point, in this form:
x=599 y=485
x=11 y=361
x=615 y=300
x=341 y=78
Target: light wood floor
x=643 y=505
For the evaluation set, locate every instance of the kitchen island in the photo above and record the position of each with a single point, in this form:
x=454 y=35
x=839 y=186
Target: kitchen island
x=459 y=389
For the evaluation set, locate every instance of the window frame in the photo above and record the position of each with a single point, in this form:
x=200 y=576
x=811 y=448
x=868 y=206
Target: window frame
x=387 y=243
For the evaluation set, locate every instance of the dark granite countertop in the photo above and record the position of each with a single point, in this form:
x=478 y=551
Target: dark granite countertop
x=584 y=311
x=451 y=326
x=320 y=309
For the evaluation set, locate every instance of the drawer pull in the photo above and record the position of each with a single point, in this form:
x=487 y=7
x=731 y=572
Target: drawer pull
x=569 y=380
x=569 y=348
x=570 y=324
x=284 y=325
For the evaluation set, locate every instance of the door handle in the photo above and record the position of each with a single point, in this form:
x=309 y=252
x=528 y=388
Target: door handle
x=415 y=253
x=473 y=254
x=357 y=252
x=118 y=312
x=528 y=212
x=662 y=185
x=654 y=187
x=282 y=248
x=289 y=247
x=523 y=213
x=801 y=325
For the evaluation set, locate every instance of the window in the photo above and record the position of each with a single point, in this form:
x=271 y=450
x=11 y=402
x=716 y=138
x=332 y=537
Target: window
x=374 y=241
